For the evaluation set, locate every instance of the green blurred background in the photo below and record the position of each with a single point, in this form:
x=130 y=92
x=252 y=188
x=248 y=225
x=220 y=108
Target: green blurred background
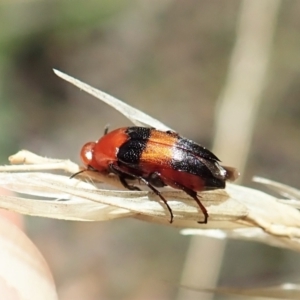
x=169 y=59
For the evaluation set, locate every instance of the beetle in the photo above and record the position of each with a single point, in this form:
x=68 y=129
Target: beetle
x=157 y=158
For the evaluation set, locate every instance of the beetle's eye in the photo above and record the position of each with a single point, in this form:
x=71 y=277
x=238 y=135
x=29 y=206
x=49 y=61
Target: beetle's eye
x=87 y=153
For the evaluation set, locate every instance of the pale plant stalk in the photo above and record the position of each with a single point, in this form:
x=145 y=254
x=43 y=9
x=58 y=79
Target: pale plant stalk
x=235 y=121
x=236 y=211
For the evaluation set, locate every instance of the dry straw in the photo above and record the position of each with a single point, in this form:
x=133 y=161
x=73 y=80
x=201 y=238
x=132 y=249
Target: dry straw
x=236 y=212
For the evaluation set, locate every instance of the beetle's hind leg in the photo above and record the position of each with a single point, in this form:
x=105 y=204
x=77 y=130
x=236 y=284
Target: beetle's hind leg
x=158 y=193
x=193 y=194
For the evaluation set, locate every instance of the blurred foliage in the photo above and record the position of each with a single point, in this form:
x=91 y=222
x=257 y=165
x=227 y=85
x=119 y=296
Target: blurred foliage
x=34 y=37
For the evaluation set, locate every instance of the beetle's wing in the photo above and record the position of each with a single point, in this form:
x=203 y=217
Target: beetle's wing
x=171 y=139
x=196 y=149
x=183 y=160
x=151 y=146
x=148 y=157
x=175 y=141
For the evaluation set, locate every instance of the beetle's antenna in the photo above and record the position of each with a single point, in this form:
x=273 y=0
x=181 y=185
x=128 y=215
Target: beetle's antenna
x=106 y=128
x=77 y=173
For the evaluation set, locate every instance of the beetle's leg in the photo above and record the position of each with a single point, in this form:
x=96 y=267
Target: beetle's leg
x=158 y=193
x=193 y=194
x=126 y=185
x=156 y=180
x=117 y=170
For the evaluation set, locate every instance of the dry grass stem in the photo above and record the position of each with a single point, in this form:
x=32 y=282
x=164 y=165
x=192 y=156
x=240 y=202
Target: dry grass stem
x=283 y=291
x=237 y=211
